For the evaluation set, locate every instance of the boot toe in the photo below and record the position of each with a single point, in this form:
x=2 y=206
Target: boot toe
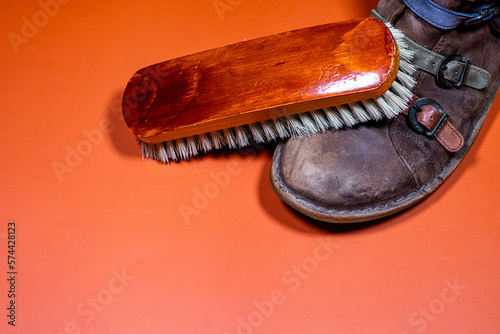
x=343 y=176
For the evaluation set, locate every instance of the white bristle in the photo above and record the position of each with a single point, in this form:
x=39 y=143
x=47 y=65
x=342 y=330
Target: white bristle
x=191 y=146
x=406 y=55
x=396 y=102
x=280 y=128
x=407 y=67
x=320 y=120
x=407 y=80
x=404 y=52
x=229 y=138
x=148 y=150
x=295 y=127
x=395 y=32
x=372 y=109
x=181 y=149
x=388 y=105
x=241 y=136
x=204 y=143
x=385 y=107
x=359 y=112
x=399 y=37
x=308 y=124
x=162 y=153
x=401 y=90
x=269 y=130
x=216 y=139
x=333 y=117
x=171 y=151
x=144 y=150
x=346 y=115
x=257 y=133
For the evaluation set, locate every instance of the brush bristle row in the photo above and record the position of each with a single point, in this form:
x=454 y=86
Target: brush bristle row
x=389 y=105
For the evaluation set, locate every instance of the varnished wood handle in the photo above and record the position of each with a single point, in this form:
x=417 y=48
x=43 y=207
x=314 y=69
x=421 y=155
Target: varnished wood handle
x=261 y=79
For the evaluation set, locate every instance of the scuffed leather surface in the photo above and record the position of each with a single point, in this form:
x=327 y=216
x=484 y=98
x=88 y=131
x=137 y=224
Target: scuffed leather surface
x=372 y=165
x=321 y=168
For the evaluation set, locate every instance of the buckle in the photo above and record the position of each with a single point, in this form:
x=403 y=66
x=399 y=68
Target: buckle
x=441 y=80
x=483 y=13
x=417 y=107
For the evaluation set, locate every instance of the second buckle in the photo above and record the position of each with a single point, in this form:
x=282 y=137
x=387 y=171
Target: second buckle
x=417 y=107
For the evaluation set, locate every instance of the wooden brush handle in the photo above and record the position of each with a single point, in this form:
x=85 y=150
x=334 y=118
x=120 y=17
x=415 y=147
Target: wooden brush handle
x=261 y=79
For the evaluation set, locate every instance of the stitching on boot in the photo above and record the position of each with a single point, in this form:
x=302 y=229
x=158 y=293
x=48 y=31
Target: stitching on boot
x=433 y=167
x=404 y=159
x=422 y=148
x=439 y=45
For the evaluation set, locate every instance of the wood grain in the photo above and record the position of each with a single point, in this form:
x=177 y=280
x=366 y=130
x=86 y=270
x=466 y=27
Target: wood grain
x=261 y=79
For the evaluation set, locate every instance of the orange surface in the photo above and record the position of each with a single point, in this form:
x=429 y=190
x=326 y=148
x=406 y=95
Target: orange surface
x=108 y=243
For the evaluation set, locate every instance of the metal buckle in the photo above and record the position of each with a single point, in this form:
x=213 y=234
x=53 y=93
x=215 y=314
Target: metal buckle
x=417 y=107
x=441 y=80
x=484 y=13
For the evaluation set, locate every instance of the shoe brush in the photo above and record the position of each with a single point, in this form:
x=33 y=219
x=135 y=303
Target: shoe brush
x=291 y=84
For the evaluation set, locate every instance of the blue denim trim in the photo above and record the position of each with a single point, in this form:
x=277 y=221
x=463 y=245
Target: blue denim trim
x=444 y=18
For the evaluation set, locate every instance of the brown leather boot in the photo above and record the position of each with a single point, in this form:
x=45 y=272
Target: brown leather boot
x=377 y=169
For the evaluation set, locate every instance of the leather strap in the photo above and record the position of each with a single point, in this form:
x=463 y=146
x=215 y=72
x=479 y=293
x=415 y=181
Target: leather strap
x=447 y=19
x=429 y=61
x=447 y=135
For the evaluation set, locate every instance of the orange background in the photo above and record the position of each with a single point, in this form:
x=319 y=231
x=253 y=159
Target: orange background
x=103 y=245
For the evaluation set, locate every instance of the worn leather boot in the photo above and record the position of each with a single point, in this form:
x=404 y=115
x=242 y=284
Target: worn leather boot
x=377 y=169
